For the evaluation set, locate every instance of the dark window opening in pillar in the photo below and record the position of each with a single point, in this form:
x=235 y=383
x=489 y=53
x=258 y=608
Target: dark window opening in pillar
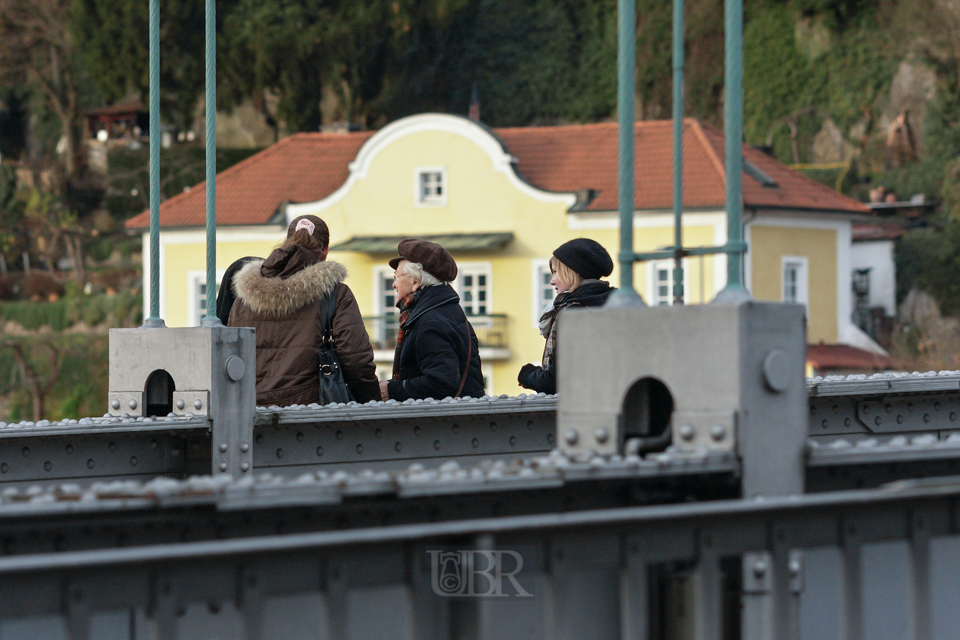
x=645 y=417
x=158 y=394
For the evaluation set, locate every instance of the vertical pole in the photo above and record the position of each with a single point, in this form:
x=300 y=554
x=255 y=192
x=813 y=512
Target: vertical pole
x=678 y=60
x=211 y=156
x=733 y=133
x=154 y=320
x=626 y=295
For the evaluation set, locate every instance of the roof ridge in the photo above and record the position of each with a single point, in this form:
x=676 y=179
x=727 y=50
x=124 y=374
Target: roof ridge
x=748 y=149
x=576 y=125
x=697 y=127
x=804 y=178
x=638 y=124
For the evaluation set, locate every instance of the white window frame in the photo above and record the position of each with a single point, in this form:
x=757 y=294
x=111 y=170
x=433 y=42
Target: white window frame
x=476 y=269
x=802 y=263
x=652 y=269
x=380 y=273
x=380 y=310
x=537 y=268
x=194 y=280
x=431 y=201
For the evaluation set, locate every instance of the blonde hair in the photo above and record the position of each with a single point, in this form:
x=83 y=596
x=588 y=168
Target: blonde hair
x=566 y=273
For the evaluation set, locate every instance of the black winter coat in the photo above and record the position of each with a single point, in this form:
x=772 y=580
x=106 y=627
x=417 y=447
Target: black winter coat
x=435 y=350
x=591 y=293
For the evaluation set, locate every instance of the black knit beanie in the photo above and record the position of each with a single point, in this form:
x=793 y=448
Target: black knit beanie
x=585 y=256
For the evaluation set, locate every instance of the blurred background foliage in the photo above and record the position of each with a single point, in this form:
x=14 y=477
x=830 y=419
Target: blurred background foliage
x=826 y=82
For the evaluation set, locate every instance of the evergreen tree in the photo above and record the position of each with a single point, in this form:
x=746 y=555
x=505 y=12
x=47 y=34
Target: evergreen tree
x=37 y=52
x=113 y=36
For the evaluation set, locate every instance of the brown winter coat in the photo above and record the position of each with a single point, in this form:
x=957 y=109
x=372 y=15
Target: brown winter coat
x=286 y=315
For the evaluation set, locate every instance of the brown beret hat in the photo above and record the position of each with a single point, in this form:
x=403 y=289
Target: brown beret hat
x=435 y=259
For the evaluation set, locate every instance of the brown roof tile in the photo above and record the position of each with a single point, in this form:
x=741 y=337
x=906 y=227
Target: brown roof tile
x=302 y=168
x=310 y=166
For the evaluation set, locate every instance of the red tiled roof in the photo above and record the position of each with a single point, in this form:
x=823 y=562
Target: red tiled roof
x=127 y=106
x=565 y=159
x=832 y=357
x=793 y=191
x=865 y=232
x=302 y=168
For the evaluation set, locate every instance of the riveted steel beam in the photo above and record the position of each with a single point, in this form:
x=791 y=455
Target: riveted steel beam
x=221 y=571
x=842 y=419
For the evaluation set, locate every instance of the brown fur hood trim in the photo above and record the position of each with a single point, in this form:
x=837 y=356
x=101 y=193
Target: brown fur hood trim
x=278 y=298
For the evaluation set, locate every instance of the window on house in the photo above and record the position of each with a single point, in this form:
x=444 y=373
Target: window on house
x=862 y=316
x=387 y=315
x=474 y=290
x=431 y=186
x=388 y=296
x=794 y=277
x=542 y=289
x=200 y=295
x=661 y=286
x=473 y=285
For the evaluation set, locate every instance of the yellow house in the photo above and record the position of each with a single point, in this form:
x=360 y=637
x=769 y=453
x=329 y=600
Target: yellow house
x=501 y=200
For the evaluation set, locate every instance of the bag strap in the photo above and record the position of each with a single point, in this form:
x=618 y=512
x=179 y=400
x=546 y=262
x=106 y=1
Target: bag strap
x=327 y=309
x=466 y=369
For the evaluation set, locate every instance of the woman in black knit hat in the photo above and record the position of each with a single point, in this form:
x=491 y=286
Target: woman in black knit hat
x=577 y=267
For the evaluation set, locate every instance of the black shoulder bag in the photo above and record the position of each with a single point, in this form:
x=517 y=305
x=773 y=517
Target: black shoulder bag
x=333 y=388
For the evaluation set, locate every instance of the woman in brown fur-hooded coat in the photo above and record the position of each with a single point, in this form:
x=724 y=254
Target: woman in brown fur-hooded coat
x=281 y=298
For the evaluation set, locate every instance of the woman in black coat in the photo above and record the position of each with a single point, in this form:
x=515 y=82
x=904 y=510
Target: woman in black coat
x=577 y=267
x=437 y=353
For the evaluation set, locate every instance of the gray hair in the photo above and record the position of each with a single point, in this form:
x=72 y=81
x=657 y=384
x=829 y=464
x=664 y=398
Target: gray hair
x=416 y=272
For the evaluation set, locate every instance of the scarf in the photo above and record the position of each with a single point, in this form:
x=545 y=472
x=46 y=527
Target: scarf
x=590 y=293
x=406 y=305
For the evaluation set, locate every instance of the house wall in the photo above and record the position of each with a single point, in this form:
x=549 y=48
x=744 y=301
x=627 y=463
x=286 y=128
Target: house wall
x=484 y=194
x=878 y=256
x=770 y=241
x=183 y=257
x=704 y=277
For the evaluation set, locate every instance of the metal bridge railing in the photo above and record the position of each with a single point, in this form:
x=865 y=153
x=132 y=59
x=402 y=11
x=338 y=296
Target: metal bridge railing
x=843 y=565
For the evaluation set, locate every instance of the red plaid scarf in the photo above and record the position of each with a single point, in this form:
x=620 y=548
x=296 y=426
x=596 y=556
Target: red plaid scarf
x=405 y=304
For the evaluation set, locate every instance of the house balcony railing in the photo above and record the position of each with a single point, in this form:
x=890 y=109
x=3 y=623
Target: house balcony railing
x=491 y=330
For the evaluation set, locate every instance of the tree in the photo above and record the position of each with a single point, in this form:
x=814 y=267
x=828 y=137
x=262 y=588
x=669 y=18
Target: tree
x=113 y=36
x=36 y=50
x=309 y=52
x=38 y=384
x=53 y=224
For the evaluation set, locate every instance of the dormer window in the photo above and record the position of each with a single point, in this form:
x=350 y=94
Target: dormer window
x=431 y=187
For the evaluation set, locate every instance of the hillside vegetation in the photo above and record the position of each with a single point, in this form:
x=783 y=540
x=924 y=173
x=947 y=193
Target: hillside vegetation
x=857 y=93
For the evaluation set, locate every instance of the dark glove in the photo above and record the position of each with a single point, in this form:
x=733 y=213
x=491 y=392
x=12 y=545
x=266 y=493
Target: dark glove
x=525 y=371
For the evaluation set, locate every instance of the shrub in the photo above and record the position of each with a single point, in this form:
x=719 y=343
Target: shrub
x=40 y=286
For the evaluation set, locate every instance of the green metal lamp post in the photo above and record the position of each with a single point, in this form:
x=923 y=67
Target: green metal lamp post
x=210 y=319
x=626 y=295
x=735 y=291
x=210 y=8
x=154 y=320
